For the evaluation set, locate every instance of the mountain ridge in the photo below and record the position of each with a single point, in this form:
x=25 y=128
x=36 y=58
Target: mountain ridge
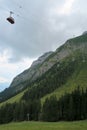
x=71 y=46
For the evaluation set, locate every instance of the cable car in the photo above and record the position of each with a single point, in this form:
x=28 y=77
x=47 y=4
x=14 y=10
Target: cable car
x=11 y=19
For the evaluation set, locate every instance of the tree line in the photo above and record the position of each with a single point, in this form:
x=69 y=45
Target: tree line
x=20 y=111
x=69 y=107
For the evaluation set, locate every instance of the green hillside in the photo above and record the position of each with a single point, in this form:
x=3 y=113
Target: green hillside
x=15 y=98
x=78 y=125
x=79 y=78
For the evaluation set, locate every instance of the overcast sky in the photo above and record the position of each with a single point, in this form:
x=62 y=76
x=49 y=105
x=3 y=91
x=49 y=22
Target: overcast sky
x=40 y=26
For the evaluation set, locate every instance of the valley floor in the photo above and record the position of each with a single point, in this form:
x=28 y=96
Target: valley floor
x=78 y=125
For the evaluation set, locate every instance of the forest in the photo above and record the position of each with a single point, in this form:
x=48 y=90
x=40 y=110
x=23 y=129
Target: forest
x=69 y=107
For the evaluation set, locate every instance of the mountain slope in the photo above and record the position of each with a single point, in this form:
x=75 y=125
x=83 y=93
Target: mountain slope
x=73 y=50
x=78 y=78
x=70 y=73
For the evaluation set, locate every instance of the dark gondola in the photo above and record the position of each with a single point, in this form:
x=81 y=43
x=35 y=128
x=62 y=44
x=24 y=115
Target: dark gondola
x=11 y=20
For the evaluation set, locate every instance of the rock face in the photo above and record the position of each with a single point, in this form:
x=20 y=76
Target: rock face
x=46 y=61
x=41 y=59
x=84 y=33
x=29 y=74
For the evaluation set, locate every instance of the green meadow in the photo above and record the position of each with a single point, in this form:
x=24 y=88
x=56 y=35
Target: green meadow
x=78 y=125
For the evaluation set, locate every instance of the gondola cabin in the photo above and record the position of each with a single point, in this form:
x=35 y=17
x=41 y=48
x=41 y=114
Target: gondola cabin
x=11 y=20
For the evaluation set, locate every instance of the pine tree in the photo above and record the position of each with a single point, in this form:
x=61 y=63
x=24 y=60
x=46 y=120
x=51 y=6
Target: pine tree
x=50 y=109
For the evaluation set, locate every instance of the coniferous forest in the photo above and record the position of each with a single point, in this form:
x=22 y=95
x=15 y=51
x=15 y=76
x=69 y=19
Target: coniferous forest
x=69 y=107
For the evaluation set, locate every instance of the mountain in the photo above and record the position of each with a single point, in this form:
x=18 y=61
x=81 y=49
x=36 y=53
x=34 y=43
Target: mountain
x=3 y=86
x=84 y=33
x=59 y=65
x=29 y=74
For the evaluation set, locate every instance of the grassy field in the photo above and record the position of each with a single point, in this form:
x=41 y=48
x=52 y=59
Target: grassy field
x=78 y=125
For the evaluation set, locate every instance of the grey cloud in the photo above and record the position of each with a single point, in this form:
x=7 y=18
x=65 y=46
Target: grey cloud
x=34 y=33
